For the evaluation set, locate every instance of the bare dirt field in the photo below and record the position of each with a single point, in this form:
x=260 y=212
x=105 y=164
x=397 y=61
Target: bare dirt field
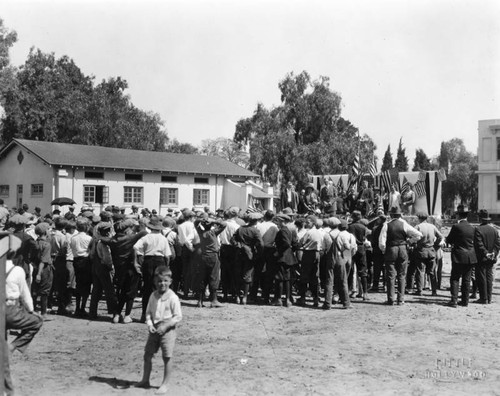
x=421 y=348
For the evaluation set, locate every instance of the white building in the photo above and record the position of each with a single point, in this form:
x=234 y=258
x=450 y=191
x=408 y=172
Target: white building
x=35 y=173
x=488 y=158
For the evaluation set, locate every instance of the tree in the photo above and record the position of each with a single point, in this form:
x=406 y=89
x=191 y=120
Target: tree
x=305 y=134
x=387 y=160
x=462 y=179
x=53 y=100
x=401 y=163
x=182 y=148
x=422 y=162
x=7 y=73
x=225 y=148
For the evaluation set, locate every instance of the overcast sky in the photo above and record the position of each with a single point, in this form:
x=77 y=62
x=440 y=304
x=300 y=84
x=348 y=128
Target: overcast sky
x=425 y=71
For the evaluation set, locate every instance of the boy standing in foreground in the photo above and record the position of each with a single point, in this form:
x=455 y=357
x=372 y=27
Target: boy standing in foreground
x=162 y=315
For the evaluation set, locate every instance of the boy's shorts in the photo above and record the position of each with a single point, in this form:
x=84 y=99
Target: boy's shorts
x=166 y=342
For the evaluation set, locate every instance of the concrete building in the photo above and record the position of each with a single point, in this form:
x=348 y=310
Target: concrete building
x=488 y=158
x=35 y=173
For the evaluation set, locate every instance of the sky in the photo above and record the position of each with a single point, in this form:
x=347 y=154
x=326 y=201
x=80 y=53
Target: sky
x=424 y=71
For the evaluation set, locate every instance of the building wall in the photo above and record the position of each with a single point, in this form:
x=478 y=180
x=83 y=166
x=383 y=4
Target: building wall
x=20 y=167
x=73 y=186
x=488 y=165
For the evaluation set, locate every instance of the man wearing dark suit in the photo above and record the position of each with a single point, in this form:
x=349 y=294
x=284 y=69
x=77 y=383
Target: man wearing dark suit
x=289 y=198
x=487 y=246
x=463 y=257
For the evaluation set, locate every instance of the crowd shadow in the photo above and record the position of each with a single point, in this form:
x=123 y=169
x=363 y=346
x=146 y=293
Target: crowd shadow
x=115 y=383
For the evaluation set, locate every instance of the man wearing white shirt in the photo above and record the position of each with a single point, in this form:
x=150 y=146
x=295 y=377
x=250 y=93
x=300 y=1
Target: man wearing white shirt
x=188 y=238
x=228 y=253
x=393 y=243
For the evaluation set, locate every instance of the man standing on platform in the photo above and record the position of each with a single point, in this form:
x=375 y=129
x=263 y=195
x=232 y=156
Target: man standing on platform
x=289 y=198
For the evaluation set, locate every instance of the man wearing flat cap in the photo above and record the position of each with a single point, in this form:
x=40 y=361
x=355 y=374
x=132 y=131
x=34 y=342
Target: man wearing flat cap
x=249 y=248
x=487 y=246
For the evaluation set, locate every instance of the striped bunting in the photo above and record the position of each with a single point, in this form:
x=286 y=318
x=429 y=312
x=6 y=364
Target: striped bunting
x=420 y=188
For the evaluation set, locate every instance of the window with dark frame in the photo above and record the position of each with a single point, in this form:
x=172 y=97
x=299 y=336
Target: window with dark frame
x=96 y=194
x=37 y=190
x=4 y=190
x=498 y=188
x=133 y=176
x=94 y=175
x=498 y=148
x=168 y=179
x=201 y=180
x=168 y=196
x=201 y=197
x=132 y=195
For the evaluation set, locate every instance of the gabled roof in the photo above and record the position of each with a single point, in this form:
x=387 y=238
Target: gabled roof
x=77 y=155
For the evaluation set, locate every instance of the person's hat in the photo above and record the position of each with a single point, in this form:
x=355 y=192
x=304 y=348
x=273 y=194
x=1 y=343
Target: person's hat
x=96 y=219
x=118 y=217
x=108 y=208
x=484 y=215
x=135 y=207
x=104 y=225
x=81 y=221
x=364 y=222
x=254 y=216
x=170 y=210
x=56 y=211
x=18 y=219
x=88 y=214
x=105 y=215
x=334 y=221
x=38 y=210
x=312 y=218
x=343 y=224
x=168 y=222
x=395 y=211
x=154 y=211
x=124 y=224
x=155 y=223
x=121 y=208
x=422 y=215
x=287 y=211
x=283 y=217
x=220 y=210
x=310 y=185
x=462 y=209
x=233 y=211
x=42 y=228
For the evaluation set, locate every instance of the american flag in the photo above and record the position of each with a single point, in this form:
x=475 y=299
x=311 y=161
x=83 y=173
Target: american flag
x=372 y=169
x=355 y=166
x=420 y=188
x=406 y=186
x=386 y=180
x=354 y=175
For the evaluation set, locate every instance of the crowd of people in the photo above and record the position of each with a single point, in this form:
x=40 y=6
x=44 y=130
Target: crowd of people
x=324 y=256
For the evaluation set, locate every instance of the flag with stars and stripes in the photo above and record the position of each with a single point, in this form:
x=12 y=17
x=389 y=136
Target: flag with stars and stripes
x=420 y=188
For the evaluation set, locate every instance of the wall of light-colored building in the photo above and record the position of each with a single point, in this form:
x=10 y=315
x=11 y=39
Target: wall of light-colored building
x=488 y=165
x=30 y=170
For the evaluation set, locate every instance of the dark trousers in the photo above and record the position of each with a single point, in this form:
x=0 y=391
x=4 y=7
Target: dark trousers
x=264 y=274
x=83 y=276
x=484 y=278
x=378 y=269
x=458 y=271
x=188 y=270
x=17 y=317
x=396 y=266
x=102 y=281
x=227 y=261
x=149 y=266
x=310 y=273
x=61 y=276
x=209 y=274
x=127 y=282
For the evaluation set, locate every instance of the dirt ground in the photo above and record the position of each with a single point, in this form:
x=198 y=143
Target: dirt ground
x=421 y=348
